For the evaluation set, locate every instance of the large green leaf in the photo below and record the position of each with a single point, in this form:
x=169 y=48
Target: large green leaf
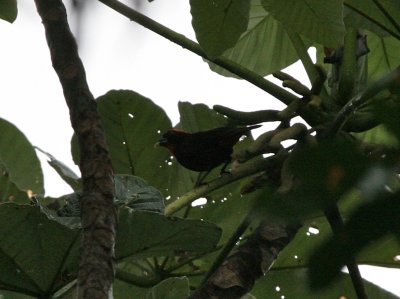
x=35 y=252
x=22 y=165
x=264 y=47
x=8 y=10
x=151 y=234
x=293 y=284
x=370 y=10
x=320 y=21
x=219 y=23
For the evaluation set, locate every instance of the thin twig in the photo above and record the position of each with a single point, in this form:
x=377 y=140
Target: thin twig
x=336 y=223
x=179 y=39
x=247 y=169
x=229 y=246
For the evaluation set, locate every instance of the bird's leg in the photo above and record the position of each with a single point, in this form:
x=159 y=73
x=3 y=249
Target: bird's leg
x=201 y=177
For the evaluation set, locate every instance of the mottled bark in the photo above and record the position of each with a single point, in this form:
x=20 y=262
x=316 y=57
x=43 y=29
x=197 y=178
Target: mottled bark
x=98 y=213
x=237 y=275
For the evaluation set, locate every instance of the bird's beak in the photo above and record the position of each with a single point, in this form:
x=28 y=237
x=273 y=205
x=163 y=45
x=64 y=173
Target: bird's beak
x=160 y=142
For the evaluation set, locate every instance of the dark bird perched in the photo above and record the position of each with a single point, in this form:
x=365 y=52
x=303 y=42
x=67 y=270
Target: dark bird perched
x=205 y=150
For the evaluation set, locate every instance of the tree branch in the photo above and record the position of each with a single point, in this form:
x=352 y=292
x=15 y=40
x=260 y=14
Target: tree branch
x=252 y=167
x=98 y=213
x=237 y=275
x=179 y=39
x=336 y=223
x=248 y=118
x=226 y=250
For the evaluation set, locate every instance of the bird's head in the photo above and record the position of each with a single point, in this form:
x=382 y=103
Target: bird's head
x=171 y=139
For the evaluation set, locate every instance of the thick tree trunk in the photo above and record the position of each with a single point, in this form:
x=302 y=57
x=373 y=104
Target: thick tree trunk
x=98 y=213
x=237 y=275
